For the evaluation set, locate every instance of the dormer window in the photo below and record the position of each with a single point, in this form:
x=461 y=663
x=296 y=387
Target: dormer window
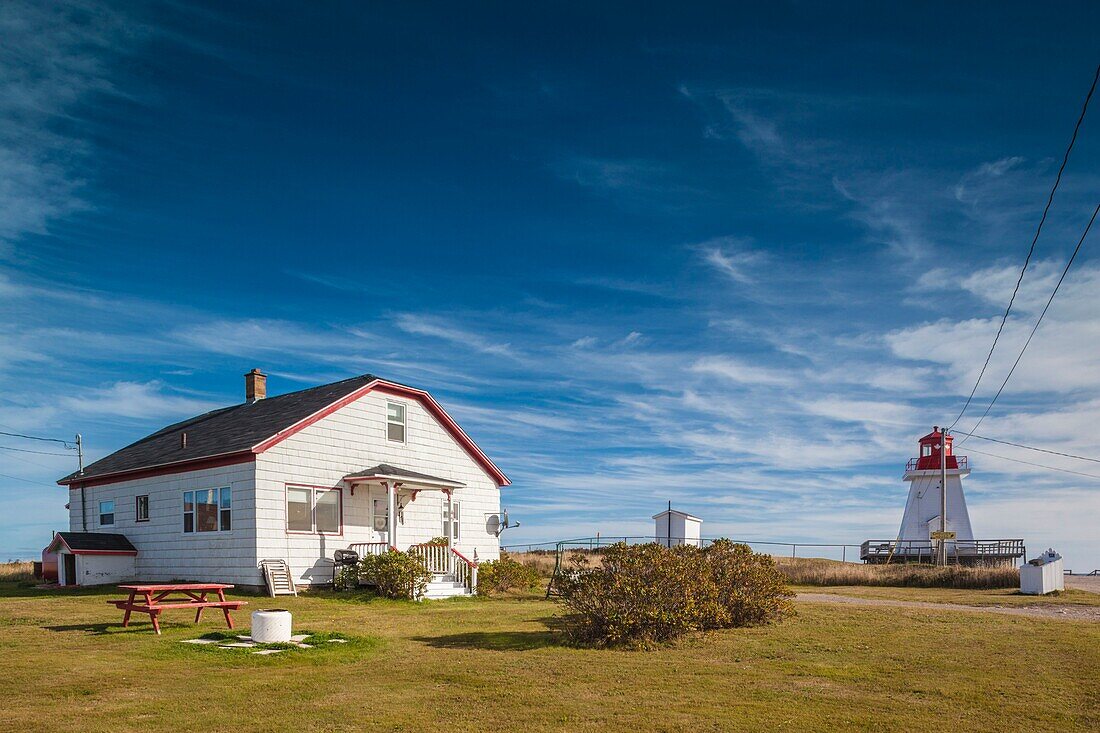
x=395 y=422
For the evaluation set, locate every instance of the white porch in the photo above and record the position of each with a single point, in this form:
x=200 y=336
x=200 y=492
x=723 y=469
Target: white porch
x=398 y=522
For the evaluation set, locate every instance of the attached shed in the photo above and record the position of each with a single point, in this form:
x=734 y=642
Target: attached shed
x=92 y=558
x=674 y=527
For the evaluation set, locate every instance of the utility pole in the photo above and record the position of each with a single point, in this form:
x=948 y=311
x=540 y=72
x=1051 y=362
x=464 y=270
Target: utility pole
x=943 y=496
x=80 y=472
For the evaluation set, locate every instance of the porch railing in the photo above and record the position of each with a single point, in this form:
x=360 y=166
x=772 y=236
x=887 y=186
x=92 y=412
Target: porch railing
x=370 y=548
x=434 y=557
x=465 y=571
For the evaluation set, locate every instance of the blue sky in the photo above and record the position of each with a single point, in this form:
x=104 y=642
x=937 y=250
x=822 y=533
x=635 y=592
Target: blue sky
x=739 y=258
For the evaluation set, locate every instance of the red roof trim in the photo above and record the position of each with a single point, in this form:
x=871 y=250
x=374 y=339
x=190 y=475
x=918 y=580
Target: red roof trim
x=196 y=464
x=401 y=391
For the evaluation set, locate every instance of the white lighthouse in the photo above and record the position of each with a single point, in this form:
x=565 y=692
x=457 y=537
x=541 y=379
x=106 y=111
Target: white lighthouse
x=922 y=509
x=915 y=541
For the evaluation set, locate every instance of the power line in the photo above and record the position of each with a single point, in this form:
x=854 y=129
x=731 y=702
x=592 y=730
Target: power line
x=1040 y=320
x=1028 y=447
x=1031 y=250
x=26 y=480
x=1037 y=465
x=66 y=443
x=37 y=452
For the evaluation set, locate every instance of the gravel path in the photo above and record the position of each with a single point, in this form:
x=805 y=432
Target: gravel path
x=1065 y=612
x=1091 y=583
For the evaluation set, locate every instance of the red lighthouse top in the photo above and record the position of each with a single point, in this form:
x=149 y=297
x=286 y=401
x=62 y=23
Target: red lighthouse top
x=930 y=451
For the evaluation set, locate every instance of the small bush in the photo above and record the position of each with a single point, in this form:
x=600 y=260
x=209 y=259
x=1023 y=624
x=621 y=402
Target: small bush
x=395 y=574
x=505 y=574
x=641 y=594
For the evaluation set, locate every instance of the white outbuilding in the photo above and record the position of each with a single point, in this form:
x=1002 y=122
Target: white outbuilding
x=674 y=527
x=1045 y=574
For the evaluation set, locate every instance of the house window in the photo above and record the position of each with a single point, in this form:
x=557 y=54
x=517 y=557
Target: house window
x=454 y=523
x=208 y=510
x=141 y=510
x=926 y=450
x=395 y=422
x=313 y=510
x=381 y=515
x=106 y=512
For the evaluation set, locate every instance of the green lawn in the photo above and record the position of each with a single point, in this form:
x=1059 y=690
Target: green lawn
x=473 y=665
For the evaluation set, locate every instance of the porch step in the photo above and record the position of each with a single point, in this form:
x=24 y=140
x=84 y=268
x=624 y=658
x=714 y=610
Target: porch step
x=444 y=586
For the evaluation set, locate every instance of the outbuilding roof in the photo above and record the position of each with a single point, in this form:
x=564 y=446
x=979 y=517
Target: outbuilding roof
x=685 y=515
x=93 y=543
x=252 y=427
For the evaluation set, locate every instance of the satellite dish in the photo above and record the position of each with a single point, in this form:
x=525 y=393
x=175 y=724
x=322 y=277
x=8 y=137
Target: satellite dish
x=504 y=523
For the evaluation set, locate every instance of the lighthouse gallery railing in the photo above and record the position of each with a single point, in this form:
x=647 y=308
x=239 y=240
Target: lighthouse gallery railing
x=925 y=550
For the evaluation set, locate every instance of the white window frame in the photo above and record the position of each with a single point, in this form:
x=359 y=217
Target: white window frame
x=137 y=508
x=314 y=491
x=375 y=502
x=404 y=422
x=103 y=513
x=456 y=523
x=218 y=503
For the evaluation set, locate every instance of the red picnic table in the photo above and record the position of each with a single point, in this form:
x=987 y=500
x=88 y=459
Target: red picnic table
x=157 y=598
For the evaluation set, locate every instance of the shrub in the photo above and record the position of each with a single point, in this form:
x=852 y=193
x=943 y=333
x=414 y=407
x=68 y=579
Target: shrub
x=641 y=594
x=395 y=574
x=505 y=574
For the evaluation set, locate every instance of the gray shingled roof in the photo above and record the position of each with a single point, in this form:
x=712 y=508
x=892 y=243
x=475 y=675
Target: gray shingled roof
x=95 y=542
x=385 y=469
x=227 y=430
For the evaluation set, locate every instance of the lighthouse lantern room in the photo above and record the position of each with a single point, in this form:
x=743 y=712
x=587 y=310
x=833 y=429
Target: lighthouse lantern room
x=919 y=538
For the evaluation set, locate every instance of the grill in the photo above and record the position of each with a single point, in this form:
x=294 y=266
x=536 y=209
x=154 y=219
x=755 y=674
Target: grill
x=342 y=560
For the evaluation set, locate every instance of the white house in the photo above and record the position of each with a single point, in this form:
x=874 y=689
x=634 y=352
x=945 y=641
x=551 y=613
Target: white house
x=363 y=463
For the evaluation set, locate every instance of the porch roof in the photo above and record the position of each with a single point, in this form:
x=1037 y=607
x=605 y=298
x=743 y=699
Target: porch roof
x=386 y=472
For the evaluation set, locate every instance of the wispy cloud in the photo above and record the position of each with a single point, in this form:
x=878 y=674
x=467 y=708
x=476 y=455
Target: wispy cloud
x=440 y=329
x=138 y=400
x=53 y=63
x=732 y=257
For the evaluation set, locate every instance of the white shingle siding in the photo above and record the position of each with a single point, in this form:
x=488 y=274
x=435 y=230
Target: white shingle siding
x=348 y=440
x=354 y=438
x=165 y=552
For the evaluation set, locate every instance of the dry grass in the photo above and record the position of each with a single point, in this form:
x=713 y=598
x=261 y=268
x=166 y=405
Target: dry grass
x=472 y=665
x=12 y=572
x=809 y=571
x=814 y=571
x=542 y=561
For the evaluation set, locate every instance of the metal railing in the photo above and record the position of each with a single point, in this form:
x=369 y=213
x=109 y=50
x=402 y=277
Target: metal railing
x=971 y=551
x=828 y=551
x=594 y=544
x=963 y=464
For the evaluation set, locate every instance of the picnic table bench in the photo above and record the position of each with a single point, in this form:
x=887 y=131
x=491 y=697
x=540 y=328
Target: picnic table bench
x=167 y=596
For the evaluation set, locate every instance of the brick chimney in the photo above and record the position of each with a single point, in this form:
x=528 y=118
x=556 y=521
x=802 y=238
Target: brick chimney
x=255 y=385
